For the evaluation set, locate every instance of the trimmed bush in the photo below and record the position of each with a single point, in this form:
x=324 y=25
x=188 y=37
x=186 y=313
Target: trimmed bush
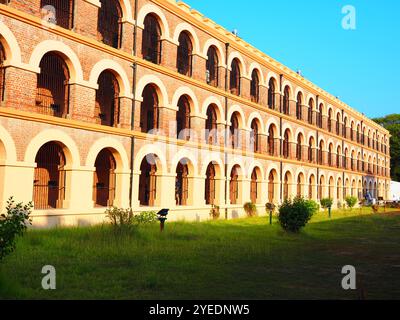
x=326 y=203
x=294 y=215
x=13 y=224
x=250 y=208
x=351 y=202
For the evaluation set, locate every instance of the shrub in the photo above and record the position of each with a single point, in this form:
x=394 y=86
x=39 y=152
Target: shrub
x=294 y=215
x=146 y=217
x=250 y=208
x=120 y=218
x=214 y=212
x=326 y=203
x=13 y=224
x=351 y=201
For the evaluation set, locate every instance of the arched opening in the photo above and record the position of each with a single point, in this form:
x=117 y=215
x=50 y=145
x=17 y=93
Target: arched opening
x=52 y=93
x=286 y=101
x=148 y=181
x=344 y=133
x=49 y=177
x=235 y=77
x=330 y=119
x=321 y=148
x=272 y=185
x=331 y=188
x=254 y=136
x=255 y=87
x=63 y=14
x=211 y=125
x=107 y=100
x=321 y=188
x=254 y=186
x=345 y=158
x=234 y=185
x=299 y=149
x=286 y=144
x=210 y=185
x=300 y=185
x=151 y=41
x=310 y=111
x=338 y=157
x=338 y=124
x=311 y=187
x=2 y=72
x=353 y=167
x=149 y=111
x=299 y=106
x=185 y=55
x=311 y=150
x=272 y=149
x=182 y=184
x=353 y=189
x=352 y=131
x=339 y=191
x=271 y=93
x=104 y=179
x=234 y=130
x=330 y=155
x=183 y=118
x=109 y=23
x=212 y=66
x=286 y=185
x=320 y=115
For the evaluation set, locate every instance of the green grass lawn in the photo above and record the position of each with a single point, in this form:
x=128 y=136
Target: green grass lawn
x=238 y=259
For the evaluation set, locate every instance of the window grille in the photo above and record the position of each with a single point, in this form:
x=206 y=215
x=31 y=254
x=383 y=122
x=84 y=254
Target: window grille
x=104 y=179
x=185 y=55
x=109 y=23
x=212 y=67
x=63 y=12
x=151 y=43
x=107 y=100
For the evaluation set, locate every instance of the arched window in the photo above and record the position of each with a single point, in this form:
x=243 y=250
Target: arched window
x=358 y=133
x=52 y=94
x=330 y=155
x=60 y=12
x=271 y=187
x=286 y=101
x=338 y=124
x=338 y=164
x=211 y=125
x=148 y=181
x=299 y=147
x=271 y=141
x=330 y=120
x=320 y=115
x=234 y=186
x=2 y=72
x=109 y=23
x=254 y=187
x=107 y=100
x=185 y=55
x=234 y=131
x=49 y=177
x=212 y=66
x=255 y=87
x=235 y=77
x=321 y=187
x=310 y=111
x=286 y=187
x=352 y=131
x=321 y=152
x=182 y=184
x=104 y=179
x=183 y=119
x=300 y=186
x=210 y=184
x=286 y=152
x=254 y=136
x=344 y=133
x=149 y=111
x=311 y=185
x=311 y=157
x=151 y=41
x=271 y=94
x=299 y=106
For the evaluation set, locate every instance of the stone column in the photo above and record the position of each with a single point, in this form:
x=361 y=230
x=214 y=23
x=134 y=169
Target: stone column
x=83 y=25
x=197 y=126
x=245 y=87
x=127 y=36
x=263 y=95
x=169 y=52
x=199 y=67
x=79 y=188
x=82 y=103
x=125 y=112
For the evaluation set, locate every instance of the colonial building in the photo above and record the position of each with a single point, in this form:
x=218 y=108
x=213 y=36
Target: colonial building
x=148 y=104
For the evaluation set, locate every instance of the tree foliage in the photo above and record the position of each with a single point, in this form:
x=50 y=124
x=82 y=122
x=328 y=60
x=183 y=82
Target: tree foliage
x=392 y=123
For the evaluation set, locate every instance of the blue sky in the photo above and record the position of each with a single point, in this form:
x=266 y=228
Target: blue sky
x=360 y=66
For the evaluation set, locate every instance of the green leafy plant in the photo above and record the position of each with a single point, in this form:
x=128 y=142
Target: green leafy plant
x=326 y=203
x=13 y=224
x=250 y=209
x=295 y=214
x=120 y=218
x=351 y=202
x=145 y=217
x=214 y=212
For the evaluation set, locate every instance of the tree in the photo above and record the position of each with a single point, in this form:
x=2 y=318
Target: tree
x=392 y=123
